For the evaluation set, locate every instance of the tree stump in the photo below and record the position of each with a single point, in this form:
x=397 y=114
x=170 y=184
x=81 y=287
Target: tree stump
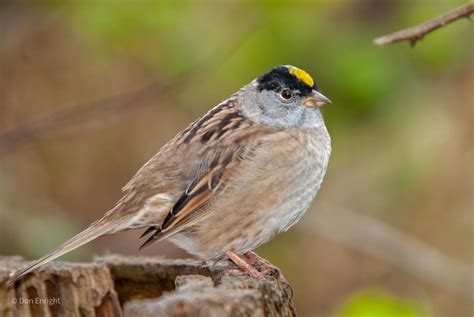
x=138 y=286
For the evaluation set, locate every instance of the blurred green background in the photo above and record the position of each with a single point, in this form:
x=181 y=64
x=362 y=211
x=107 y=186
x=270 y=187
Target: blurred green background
x=89 y=90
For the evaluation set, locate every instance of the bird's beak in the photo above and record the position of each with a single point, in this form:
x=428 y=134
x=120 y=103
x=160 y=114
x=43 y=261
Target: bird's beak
x=316 y=99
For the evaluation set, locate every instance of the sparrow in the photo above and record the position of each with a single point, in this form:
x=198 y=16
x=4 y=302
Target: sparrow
x=232 y=180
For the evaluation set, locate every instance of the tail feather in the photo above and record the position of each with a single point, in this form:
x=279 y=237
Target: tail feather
x=94 y=231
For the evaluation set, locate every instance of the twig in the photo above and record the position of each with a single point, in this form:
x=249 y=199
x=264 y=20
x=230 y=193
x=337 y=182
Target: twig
x=417 y=32
x=387 y=243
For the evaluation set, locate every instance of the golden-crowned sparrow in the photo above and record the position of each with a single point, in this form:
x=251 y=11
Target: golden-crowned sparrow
x=244 y=172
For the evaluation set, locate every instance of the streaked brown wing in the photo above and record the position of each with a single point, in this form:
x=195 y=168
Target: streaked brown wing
x=222 y=139
x=191 y=205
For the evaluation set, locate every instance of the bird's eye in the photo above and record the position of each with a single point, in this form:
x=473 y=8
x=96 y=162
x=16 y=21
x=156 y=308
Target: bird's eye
x=286 y=94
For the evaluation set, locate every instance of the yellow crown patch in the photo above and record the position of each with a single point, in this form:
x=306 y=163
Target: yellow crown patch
x=301 y=75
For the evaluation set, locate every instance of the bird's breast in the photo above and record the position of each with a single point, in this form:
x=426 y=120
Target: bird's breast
x=268 y=194
x=302 y=180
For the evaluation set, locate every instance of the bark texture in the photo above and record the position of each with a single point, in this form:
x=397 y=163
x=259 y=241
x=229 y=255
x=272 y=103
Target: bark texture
x=138 y=286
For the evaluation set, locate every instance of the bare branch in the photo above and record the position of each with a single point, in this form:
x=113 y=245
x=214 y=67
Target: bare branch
x=417 y=32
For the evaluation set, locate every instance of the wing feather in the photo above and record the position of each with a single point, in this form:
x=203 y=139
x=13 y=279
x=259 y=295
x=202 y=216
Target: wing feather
x=219 y=154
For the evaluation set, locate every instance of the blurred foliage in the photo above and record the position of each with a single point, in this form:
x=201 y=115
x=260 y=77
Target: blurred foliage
x=400 y=124
x=186 y=31
x=378 y=304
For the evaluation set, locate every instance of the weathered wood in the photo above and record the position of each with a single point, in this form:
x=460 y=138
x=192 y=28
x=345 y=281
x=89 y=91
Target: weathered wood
x=199 y=299
x=138 y=286
x=234 y=296
x=58 y=289
x=149 y=277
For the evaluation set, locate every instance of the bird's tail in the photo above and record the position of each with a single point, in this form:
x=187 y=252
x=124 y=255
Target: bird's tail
x=95 y=230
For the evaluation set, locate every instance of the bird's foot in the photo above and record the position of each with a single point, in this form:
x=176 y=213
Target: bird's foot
x=244 y=267
x=248 y=266
x=255 y=260
x=254 y=265
x=267 y=268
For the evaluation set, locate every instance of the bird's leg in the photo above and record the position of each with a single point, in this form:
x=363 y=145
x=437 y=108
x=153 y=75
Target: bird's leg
x=255 y=259
x=243 y=265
